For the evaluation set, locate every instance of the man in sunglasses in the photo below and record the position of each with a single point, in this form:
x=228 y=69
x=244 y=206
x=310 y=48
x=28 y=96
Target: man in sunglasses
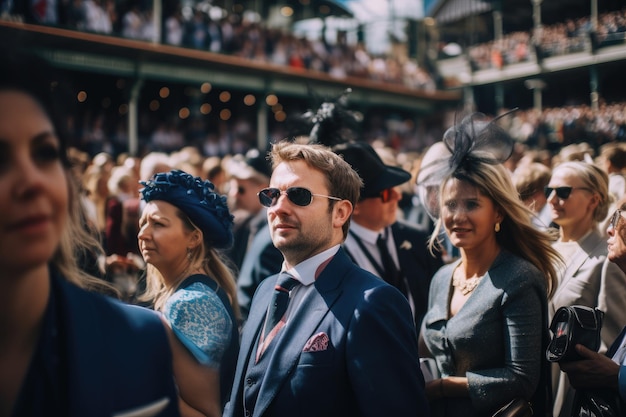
x=393 y=250
x=343 y=343
x=598 y=372
x=253 y=254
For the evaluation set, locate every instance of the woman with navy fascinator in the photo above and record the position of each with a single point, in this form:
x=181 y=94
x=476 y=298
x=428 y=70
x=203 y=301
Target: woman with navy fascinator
x=182 y=226
x=487 y=321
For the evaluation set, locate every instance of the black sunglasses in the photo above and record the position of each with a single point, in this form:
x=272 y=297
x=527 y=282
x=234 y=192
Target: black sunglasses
x=615 y=219
x=297 y=195
x=563 y=192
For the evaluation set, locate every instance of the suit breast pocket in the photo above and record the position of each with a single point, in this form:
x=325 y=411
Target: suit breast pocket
x=318 y=358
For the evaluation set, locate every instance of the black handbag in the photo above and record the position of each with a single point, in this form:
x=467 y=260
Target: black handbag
x=572 y=325
x=517 y=407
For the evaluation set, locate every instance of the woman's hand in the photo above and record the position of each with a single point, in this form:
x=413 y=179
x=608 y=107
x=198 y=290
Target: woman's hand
x=434 y=389
x=452 y=386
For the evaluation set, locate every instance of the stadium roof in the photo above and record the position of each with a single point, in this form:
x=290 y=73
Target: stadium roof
x=447 y=11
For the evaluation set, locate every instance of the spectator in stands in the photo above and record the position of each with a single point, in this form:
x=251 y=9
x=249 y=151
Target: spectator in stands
x=152 y=163
x=214 y=171
x=613 y=160
x=132 y=22
x=249 y=174
x=174 y=28
x=530 y=181
x=121 y=226
x=377 y=241
x=253 y=252
x=95 y=183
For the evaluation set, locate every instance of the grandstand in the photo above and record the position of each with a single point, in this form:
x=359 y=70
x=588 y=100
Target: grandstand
x=211 y=68
x=572 y=51
x=229 y=75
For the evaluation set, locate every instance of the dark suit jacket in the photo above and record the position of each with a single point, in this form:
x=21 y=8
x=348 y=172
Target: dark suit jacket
x=416 y=263
x=371 y=365
x=118 y=355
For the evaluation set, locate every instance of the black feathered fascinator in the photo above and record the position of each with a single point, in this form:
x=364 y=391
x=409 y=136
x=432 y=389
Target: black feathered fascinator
x=475 y=140
x=332 y=123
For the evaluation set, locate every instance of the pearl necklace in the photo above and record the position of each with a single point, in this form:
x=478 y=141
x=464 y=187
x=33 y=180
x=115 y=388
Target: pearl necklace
x=466 y=286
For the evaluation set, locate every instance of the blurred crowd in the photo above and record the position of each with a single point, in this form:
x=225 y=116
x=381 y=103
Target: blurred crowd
x=570 y=36
x=552 y=129
x=236 y=34
x=105 y=177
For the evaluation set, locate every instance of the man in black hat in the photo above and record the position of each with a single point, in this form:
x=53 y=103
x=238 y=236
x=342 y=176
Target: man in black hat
x=253 y=253
x=377 y=241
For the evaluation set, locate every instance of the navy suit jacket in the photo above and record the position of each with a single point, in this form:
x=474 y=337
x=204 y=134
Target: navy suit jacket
x=371 y=365
x=119 y=357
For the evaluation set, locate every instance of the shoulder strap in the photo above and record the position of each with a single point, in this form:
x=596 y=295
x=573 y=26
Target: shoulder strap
x=198 y=278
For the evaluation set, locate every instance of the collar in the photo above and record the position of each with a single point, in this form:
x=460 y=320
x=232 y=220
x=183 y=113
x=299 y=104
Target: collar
x=367 y=235
x=307 y=271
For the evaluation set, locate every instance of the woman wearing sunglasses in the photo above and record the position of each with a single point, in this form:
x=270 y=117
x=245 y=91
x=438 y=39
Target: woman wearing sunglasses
x=579 y=199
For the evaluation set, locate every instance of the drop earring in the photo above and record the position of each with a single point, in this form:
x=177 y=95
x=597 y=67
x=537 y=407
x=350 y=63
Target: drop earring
x=497 y=227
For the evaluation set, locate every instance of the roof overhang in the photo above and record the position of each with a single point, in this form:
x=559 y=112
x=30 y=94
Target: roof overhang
x=449 y=11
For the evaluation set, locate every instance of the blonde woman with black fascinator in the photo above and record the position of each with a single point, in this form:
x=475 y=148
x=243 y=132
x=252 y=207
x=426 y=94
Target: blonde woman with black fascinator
x=487 y=320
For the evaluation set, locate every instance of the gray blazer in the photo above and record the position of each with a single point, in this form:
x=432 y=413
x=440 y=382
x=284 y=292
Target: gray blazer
x=591 y=280
x=495 y=340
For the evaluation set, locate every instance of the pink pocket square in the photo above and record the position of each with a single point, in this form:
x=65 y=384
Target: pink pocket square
x=317 y=343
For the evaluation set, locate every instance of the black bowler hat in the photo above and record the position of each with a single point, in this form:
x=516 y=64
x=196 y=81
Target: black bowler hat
x=367 y=163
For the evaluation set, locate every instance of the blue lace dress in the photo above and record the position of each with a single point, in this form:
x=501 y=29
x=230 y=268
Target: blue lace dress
x=202 y=318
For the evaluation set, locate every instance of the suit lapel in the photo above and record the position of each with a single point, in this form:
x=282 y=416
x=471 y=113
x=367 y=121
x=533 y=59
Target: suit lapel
x=303 y=324
x=587 y=246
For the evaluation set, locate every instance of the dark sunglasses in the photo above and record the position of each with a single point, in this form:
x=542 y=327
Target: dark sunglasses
x=563 y=192
x=297 y=195
x=615 y=219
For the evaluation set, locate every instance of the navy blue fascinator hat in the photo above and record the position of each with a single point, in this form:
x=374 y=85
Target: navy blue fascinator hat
x=194 y=197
